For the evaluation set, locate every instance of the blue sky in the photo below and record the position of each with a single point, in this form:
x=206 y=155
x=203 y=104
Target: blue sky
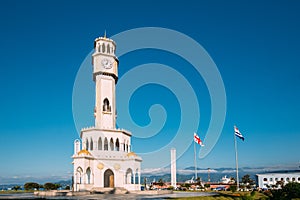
x=255 y=45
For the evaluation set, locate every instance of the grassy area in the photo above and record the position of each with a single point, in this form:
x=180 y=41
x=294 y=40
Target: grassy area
x=15 y=192
x=230 y=196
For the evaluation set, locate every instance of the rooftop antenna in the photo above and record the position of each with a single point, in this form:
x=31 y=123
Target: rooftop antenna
x=105 y=33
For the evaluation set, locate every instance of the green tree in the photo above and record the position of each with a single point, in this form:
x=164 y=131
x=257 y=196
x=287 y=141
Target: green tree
x=292 y=190
x=186 y=185
x=288 y=192
x=281 y=183
x=160 y=182
x=233 y=188
x=31 y=186
x=51 y=186
x=16 y=187
x=247 y=180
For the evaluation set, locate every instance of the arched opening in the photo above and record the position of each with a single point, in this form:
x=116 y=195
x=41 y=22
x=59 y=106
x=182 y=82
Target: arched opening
x=108 y=48
x=129 y=176
x=105 y=144
x=103 y=48
x=78 y=174
x=91 y=145
x=99 y=48
x=117 y=145
x=106 y=106
x=109 y=178
x=111 y=144
x=136 y=181
x=126 y=147
x=87 y=144
x=88 y=176
x=100 y=144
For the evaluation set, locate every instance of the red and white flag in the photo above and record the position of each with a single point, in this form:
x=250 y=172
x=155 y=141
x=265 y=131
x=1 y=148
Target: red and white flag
x=198 y=140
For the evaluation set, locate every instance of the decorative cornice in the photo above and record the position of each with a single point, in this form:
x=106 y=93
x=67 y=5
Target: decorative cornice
x=105 y=74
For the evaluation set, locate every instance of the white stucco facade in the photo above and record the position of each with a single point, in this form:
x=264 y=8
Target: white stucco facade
x=102 y=156
x=272 y=179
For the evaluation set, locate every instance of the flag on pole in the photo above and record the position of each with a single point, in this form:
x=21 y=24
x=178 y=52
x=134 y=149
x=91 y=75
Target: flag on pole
x=238 y=133
x=198 y=140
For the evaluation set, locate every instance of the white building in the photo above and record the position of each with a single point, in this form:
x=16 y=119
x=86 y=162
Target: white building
x=105 y=159
x=271 y=179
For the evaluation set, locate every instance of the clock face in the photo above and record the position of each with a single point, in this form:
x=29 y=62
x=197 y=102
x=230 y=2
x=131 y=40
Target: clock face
x=107 y=64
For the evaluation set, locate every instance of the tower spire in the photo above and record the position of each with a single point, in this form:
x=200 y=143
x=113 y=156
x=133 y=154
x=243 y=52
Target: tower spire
x=105 y=33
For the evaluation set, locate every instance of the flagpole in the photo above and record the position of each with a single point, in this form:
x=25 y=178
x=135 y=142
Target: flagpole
x=236 y=163
x=195 y=161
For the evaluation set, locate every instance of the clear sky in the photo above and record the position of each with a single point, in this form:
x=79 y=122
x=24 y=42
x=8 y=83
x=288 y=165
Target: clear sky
x=254 y=44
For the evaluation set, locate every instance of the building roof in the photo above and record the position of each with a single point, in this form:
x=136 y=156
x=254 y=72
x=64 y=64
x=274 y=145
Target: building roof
x=132 y=154
x=84 y=152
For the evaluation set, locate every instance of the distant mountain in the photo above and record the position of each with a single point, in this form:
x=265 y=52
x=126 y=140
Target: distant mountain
x=215 y=174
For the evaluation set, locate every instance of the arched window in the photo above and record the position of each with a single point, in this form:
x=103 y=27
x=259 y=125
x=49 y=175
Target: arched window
x=100 y=144
x=106 y=106
x=99 y=48
x=129 y=176
x=108 y=48
x=117 y=145
x=265 y=179
x=105 y=144
x=91 y=145
x=136 y=181
x=111 y=144
x=87 y=144
x=78 y=175
x=103 y=48
x=88 y=175
x=126 y=147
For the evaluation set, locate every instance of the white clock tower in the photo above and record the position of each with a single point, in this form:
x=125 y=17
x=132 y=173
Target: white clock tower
x=103 y=159
x=105 y=75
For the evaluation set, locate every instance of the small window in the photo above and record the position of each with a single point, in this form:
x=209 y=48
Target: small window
x=103 y=48
x=281 y=179
x=293 y=179
x=117 y=145
x=271 y=179
x=111 y=144
x=287 y=179
x=91 y=145
x=87 y=144
x=265 y=179
x=106 y=106
x=100 y=144
x=298 y=178
x=276 y=179
x=105 y=144
x=108 y=48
